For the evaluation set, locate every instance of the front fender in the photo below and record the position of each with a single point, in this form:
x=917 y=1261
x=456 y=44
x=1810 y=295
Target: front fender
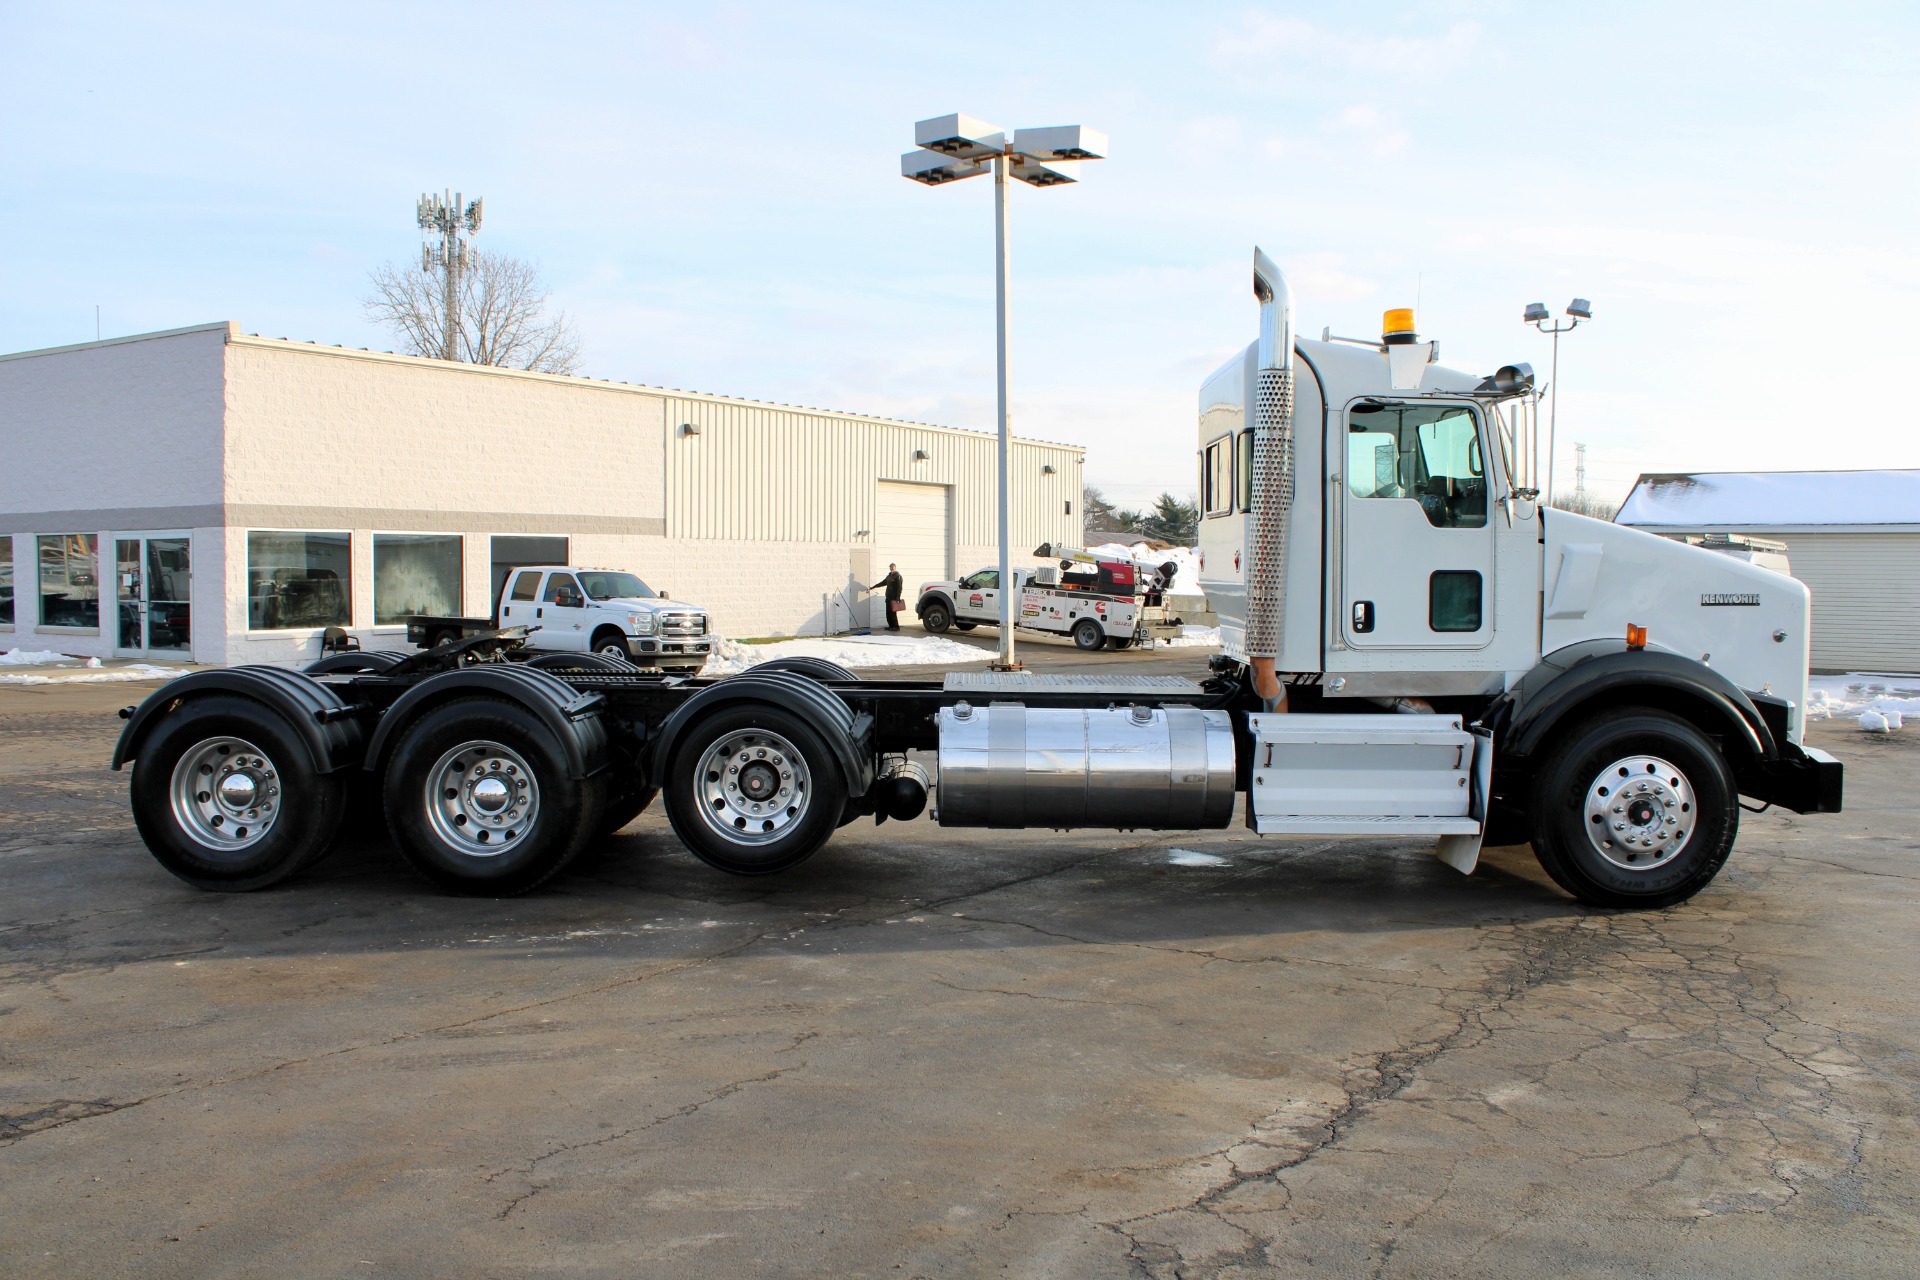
x=1598 y=673
x=313 y=711
x=935 y=597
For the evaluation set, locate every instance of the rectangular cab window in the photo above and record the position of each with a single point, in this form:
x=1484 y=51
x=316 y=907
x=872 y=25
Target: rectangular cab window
x=1453 y=600
x=1243 y=470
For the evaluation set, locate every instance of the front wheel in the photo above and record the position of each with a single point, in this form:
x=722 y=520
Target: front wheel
x=1088 y=635
x=754 y=790
x=1635 y=808
x=936 y=618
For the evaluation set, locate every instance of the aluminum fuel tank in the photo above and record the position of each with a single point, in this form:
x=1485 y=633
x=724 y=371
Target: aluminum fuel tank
x=1009 y=765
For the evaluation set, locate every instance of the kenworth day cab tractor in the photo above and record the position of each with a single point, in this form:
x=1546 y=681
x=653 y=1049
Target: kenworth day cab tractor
x=1412 y=646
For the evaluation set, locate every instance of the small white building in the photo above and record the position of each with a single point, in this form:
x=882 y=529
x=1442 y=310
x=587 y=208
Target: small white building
x=207 y=493
x=1852 y=536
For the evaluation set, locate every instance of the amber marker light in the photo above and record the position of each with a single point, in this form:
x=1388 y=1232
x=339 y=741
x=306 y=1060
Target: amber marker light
x=1636 y=636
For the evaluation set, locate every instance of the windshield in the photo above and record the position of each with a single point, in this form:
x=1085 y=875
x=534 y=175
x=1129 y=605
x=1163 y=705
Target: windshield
x=601 y=585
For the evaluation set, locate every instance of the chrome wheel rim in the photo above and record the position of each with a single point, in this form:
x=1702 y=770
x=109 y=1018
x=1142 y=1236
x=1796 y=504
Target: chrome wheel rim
x=1640 y=813
x=482 y=799
x=754 y=787
x=614 y=651
x=226 y=794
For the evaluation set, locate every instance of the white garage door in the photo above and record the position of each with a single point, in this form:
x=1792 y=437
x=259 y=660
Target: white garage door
x=913 y=530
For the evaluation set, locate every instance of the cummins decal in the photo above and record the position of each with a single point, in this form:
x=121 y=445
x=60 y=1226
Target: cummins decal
x=1729 y=597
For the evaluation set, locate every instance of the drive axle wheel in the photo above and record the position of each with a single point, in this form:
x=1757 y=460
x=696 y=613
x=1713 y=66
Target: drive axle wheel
x=753 y=790
x=1635 y=808
x=226 y=797
x=936 y=618
x=1087 y=634
x=479 y=799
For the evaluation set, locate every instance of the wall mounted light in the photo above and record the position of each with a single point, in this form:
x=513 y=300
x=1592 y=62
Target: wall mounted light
x=688 y=429
x=1049 y=470
x=920 y=455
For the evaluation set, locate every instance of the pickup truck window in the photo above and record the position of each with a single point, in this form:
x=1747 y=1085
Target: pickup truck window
x=558 y=582
x=527 y=585
x=985 y=580
x=602 y=585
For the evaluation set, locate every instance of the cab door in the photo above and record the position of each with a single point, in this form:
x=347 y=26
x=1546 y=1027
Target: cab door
x=979 y=596
x=562 y=615
x=1416 y=568
x=522 y=602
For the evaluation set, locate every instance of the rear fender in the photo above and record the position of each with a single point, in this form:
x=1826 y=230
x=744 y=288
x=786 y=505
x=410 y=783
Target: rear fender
x=571 y=716
x=314 y=712
x=848 y=736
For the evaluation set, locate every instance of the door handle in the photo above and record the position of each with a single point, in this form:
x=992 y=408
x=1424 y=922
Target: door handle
x=541 y=612
x=1362 y=616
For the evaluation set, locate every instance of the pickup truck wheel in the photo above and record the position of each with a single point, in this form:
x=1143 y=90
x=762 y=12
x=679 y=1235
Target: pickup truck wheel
x=1117 y=643
x=479 y=800
x=611 y=644
x=226 y=798
x=754 y=790
x=1635 y=808
x=936 y=618
x=964 y=626
x=1088 y=635
x=442 y=637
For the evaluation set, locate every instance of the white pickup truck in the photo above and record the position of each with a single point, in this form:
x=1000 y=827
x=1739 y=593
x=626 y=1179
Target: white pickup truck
x=586 y=611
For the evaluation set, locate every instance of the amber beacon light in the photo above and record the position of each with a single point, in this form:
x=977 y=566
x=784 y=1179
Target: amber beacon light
x=1397 y=327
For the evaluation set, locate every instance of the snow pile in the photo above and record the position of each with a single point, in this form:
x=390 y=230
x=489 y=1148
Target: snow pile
x=133 y=671
x=35 y=658
x=1189 y=858
x=1194 y=638
x=1881 y=703
x=731 y=657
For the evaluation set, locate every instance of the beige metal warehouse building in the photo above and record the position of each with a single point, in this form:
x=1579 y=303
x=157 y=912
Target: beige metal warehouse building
x=1852 y=536
x=210 y=493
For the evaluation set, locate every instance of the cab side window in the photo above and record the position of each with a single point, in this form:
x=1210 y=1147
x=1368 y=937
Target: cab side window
x=527 y=585
x=1216 y=477
x=985 y=580
x=1243 y=470
x=561 y=582
x=1428 y=453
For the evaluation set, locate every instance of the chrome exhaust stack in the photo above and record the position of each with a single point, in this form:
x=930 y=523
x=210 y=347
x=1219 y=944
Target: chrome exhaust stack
x=1272 y=479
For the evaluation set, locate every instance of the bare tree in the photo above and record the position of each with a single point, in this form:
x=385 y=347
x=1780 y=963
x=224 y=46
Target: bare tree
x=1586 y=504
x=503 y=316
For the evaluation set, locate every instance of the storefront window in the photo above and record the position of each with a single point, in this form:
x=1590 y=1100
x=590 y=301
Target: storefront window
x=415 y=573
x=298 y=580
x=6 y=580
x=69 y=580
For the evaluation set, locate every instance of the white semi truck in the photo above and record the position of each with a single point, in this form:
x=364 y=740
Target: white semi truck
x=1413 y=647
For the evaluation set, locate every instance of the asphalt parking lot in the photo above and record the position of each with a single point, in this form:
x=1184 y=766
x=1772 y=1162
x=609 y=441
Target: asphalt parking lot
x=953 y=1054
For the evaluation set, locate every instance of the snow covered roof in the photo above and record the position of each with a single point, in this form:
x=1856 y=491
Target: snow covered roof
x=1773 y=499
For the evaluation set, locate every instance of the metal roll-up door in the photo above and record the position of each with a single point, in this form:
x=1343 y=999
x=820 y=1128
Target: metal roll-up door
x=913 y=530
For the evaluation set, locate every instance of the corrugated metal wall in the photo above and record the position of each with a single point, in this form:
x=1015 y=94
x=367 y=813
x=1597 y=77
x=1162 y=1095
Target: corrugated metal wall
x=1866 y=597
x=764 y=473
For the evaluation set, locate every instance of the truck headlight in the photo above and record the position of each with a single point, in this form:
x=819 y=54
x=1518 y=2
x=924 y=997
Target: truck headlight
x=642 y=623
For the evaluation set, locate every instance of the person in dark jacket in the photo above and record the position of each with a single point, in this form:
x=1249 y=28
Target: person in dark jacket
x=896 y=592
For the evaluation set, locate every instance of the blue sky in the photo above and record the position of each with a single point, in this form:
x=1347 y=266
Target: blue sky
x=713 y=192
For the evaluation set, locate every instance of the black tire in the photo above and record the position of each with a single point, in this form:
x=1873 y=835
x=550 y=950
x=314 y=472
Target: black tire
x=1576 y=784
x=707 y=830
x=805 y=665
x=936 y=618
x=610 y=643
x=958 y=625
x=624 y=808
x=1117 y=643
x=301 y=826
x=581 y=662
x=429 y=828
x=1088 y=635
x=364 y=662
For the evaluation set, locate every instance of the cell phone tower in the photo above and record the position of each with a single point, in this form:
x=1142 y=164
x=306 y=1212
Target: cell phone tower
x=1579 y=473
x=448 y=214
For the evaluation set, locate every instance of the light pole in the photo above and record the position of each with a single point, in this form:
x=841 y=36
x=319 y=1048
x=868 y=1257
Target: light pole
x=446 y=215
x=1536 y=315
x=954 y=147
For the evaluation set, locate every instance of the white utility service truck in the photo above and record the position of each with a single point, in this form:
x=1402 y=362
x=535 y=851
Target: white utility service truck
x=568 y=609
x=1095 y=600
x=1413 y=647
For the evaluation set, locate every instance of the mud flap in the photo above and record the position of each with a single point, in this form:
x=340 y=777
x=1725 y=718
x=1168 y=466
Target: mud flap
x=1462 y=853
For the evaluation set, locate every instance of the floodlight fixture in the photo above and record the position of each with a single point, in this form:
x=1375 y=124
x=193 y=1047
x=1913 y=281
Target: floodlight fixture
x=962 y=137
x=959 y=146
x=1580 y=309
x=1536 y=312
x=1577 y=310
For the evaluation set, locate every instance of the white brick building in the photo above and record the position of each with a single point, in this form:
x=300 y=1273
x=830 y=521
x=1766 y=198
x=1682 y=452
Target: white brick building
x=207 y=492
